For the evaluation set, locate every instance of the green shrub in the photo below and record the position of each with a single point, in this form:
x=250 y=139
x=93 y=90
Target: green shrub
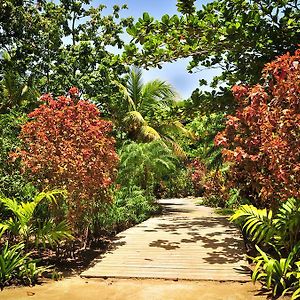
x=130 y=206
x=178 y=184
x=205 y=128
x=133 y=205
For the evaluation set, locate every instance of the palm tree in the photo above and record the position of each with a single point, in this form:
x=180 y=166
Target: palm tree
x=147 y=106
x=153 y=94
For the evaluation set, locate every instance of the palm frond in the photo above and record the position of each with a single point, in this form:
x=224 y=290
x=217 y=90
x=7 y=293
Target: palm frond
x=289 y=210
x=176 y=148
x=144 y=163
x=175 y=128
x=124 y=91
x=135 y=85
x=3 y=228
x=52 y=233
x=288 y=221
x=257 y=223
x=21 y=222
x=22 y=213
x=51 y=196
x=156 y=93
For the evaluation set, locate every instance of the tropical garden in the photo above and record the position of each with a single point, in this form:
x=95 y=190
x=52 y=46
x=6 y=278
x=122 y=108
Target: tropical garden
x=87 y=146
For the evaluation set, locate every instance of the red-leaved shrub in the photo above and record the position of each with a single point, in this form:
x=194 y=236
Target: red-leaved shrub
x=67 y=145
x=262 y=140
x=198 y=172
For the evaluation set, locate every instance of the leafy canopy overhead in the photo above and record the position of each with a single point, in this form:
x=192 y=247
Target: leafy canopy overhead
x=239 y=36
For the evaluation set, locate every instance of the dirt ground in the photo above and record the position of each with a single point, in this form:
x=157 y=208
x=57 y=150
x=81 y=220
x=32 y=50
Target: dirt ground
x=76 y=288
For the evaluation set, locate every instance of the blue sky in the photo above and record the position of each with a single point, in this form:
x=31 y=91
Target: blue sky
x=175 y=72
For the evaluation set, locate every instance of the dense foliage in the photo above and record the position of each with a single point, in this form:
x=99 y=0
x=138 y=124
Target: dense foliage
x=23 y=228
x=261 y=141
x=130 y=206
x=143 y=102
x=17 y=267
x=26 y=226
x=144 y=165
x=240 y=36
x=236 y=37
x=65 y=43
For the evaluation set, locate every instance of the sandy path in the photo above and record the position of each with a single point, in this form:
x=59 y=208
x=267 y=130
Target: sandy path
x=77 y=288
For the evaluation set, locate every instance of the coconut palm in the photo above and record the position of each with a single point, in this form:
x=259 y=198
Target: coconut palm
x=150 y=95
x=147 y=108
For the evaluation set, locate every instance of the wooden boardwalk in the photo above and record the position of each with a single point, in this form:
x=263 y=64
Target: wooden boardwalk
x=186 y=242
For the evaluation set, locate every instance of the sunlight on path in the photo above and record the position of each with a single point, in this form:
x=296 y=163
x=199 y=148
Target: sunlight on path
x=186 y=242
